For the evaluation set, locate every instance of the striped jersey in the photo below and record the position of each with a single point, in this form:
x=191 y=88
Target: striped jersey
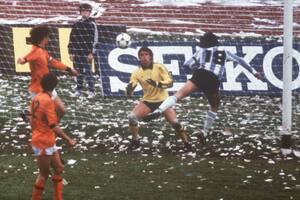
x=213 y=59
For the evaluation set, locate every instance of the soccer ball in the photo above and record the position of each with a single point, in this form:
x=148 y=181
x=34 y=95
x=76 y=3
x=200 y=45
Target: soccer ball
x=123 y=40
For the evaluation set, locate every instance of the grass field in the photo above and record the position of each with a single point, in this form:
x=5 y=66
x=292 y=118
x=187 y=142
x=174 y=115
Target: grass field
x=240 y=160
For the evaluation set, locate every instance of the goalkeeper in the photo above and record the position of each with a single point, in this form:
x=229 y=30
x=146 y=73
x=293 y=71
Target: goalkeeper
x=154 y=80
x=207 y=64
x=45 y=128
x=39 y=59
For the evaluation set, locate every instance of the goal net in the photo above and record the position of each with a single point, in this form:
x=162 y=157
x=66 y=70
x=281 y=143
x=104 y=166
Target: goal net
x=251 y=108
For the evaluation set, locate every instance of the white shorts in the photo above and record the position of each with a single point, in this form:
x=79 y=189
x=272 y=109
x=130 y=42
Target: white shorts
x=48 y=151
x=53 y=96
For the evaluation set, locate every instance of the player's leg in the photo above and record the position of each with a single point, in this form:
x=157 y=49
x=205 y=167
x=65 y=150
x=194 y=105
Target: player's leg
x=180 y=130
x=188 y=88
x=214 y=100
x=138 y=112
x=211 y=90
x=89 y=77
x=58 y=167
x=78 y=65
x=209 y=84
x=43 y=162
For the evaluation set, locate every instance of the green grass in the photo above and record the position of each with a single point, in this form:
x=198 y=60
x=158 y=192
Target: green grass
x=131 y=175
x=244 y=164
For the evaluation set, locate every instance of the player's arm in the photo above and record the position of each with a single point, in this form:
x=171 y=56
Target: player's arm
x=242 y=62
x=131 y=85
x=166 y=79
x=194 y=61
x=91 y=37
x=53 y=122
x=58 y=65
x=60 y=133
x=31 y=56
x=95 y=36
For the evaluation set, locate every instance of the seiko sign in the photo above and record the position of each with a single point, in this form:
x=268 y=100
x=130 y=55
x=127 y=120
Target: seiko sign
x=117 y=64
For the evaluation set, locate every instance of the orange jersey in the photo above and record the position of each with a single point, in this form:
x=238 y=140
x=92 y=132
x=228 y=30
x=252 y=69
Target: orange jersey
x=39 y=59
x=44 y=118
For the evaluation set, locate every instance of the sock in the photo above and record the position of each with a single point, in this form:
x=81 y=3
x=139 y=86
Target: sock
x=57 y=186
x=169 y=102
x=181 y=132
x=183 y=136
x=38 y=189
x=134 y=129
x=209 y=121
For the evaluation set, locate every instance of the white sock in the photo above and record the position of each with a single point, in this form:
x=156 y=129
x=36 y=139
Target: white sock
x=169 y=102
x=209 y=120
x=285 y=151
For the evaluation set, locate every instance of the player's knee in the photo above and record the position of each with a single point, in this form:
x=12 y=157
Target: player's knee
x=60 y=169
x=133 y=119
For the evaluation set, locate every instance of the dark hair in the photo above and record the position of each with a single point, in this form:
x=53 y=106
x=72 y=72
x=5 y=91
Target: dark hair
x=85 y=6
x=38 y=33
x=208 y=40
x=146 y=49
x=49 y=82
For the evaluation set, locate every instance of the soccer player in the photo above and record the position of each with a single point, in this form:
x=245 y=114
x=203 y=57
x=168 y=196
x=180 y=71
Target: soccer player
x=45 y=128
x=82 y=43
x=39 y=59
x=154 y=80
x=207 y=64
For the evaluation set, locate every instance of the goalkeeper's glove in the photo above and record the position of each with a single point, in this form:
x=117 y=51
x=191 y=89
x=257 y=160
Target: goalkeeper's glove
x=159 y=84
x=129 y=90
x=153 y=83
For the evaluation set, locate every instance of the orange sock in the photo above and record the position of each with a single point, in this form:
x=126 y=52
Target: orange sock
x=38 y=189
x=57 y=186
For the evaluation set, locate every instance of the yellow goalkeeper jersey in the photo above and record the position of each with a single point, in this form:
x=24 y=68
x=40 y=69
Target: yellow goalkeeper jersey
x=159 y=74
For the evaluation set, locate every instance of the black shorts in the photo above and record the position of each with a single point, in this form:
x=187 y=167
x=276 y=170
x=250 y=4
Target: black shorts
x=206 y=81
x=152 y=105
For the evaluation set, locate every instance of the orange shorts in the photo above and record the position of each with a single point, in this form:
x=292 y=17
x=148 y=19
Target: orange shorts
x=42 y=152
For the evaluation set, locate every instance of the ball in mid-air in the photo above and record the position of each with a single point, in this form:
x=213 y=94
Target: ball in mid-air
x=123 y=40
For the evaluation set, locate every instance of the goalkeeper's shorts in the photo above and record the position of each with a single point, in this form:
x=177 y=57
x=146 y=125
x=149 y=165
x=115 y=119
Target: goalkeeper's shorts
x=44 y=151
x=53 y=96
x=152 y=105
x=206 y=81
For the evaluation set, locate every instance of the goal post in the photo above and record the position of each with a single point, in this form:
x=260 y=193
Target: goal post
x=287 y=77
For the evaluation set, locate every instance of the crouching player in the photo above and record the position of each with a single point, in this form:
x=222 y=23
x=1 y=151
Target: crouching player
x=45 y=128
x=154 y=79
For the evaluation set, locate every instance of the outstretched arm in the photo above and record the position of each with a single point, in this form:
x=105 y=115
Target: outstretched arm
x=242 y=62
x=58 y=65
